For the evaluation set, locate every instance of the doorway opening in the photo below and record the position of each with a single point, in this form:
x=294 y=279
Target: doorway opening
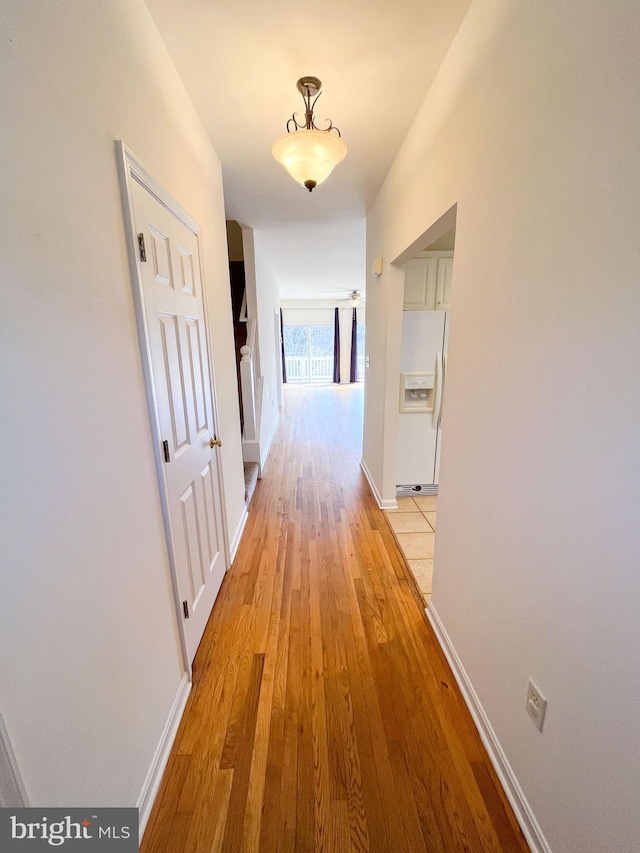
x=323 y=342
x=237 y=282
x=427 y=308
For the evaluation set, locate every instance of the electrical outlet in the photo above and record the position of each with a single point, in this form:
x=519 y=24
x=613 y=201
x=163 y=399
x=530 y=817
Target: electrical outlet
x=536 y=704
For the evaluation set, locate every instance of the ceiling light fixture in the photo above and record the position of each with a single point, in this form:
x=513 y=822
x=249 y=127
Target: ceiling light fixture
x=354 y=298
x=307 y=152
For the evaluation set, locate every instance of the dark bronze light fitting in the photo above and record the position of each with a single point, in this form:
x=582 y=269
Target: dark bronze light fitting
x=308 y=152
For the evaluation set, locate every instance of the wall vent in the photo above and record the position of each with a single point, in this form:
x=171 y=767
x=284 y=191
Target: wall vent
x=416 y=489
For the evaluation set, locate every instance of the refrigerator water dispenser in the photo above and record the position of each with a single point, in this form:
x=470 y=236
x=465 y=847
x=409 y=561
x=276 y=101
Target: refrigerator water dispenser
x=416 y=392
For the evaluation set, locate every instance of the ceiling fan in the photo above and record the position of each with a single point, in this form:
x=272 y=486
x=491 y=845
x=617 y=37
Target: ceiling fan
x=336 y=295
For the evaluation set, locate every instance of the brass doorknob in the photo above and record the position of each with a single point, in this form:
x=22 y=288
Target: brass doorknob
x=215 y=442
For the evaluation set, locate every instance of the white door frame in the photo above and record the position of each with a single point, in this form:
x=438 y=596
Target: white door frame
x=131 y=169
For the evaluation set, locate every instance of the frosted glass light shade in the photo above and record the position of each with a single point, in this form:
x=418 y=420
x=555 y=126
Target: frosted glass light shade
x=309 y=155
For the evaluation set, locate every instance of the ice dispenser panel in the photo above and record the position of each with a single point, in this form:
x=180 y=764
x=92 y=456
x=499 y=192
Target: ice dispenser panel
x=416 y=392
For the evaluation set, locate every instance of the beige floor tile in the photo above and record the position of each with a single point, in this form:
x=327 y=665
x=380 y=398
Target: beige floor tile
x=405 y=505
x=416 y=546
x=422 y=570
x=431 y=518
x=409 y=522
x=427 y=503
x=427 y=600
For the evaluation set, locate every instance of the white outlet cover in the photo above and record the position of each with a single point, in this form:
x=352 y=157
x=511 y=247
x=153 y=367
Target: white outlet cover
x=536 y=704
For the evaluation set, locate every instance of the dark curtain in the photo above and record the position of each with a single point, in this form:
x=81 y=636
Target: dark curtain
x=336 y=348
x=353 y=376
x=284 y=363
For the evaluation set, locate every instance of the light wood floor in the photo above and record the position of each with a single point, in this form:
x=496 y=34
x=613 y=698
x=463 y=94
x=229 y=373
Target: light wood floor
x=324 y=716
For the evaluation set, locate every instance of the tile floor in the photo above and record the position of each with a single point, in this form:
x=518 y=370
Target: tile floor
x=413 y=525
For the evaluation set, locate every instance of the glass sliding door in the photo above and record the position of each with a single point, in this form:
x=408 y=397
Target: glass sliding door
x=308 y=353
x=321 y=353
x=296 y=353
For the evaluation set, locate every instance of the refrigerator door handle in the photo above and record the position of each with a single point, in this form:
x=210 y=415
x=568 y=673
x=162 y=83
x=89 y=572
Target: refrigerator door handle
x=443 y=383
x=437 y=404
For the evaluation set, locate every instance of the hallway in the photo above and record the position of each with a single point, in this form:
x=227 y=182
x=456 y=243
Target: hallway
x=323 y=715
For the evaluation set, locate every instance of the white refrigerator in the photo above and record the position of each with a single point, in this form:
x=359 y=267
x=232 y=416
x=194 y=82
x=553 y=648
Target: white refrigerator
x=423 y=361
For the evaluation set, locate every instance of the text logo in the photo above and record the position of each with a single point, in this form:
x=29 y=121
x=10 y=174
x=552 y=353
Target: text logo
x=76 y=829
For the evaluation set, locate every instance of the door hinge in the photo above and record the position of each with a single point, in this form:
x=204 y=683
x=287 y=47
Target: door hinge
x=141 y=249
x=185 y=609
x=165 y=450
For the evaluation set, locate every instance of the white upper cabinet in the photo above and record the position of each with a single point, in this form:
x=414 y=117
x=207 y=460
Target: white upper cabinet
x=427 y=282
x=443 y=284
x=420 y=277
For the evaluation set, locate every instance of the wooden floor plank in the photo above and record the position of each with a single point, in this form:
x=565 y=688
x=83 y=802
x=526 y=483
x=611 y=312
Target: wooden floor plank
x=286 y=817
x=324 y=716
x=235 y=821
x=319 y=723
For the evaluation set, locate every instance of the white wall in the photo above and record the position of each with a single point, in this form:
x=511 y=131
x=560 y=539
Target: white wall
x=90 y=659
x=313 y=262
x=262 y=303
x=532 y=128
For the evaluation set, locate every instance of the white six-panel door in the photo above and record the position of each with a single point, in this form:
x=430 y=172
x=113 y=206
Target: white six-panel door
x=173 y=307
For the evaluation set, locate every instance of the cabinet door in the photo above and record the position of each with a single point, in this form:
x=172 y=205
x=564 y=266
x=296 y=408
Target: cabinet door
x=420 y=284
x=443 y=285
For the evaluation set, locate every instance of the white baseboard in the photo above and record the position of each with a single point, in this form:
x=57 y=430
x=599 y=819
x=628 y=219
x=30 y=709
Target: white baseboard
x=13 y=794
x=154 y=776
x=522 y=810
x=393 y=504
x=237 y=536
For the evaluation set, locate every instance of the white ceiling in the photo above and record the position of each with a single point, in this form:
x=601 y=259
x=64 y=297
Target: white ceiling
x=317 y=260
x=240 y=60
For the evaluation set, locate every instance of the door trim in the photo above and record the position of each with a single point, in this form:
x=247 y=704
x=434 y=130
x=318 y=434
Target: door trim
x=131 y=169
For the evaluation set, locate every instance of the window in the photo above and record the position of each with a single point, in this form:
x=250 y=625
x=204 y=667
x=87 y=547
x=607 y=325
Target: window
x=360 y=351
x=308 y=353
